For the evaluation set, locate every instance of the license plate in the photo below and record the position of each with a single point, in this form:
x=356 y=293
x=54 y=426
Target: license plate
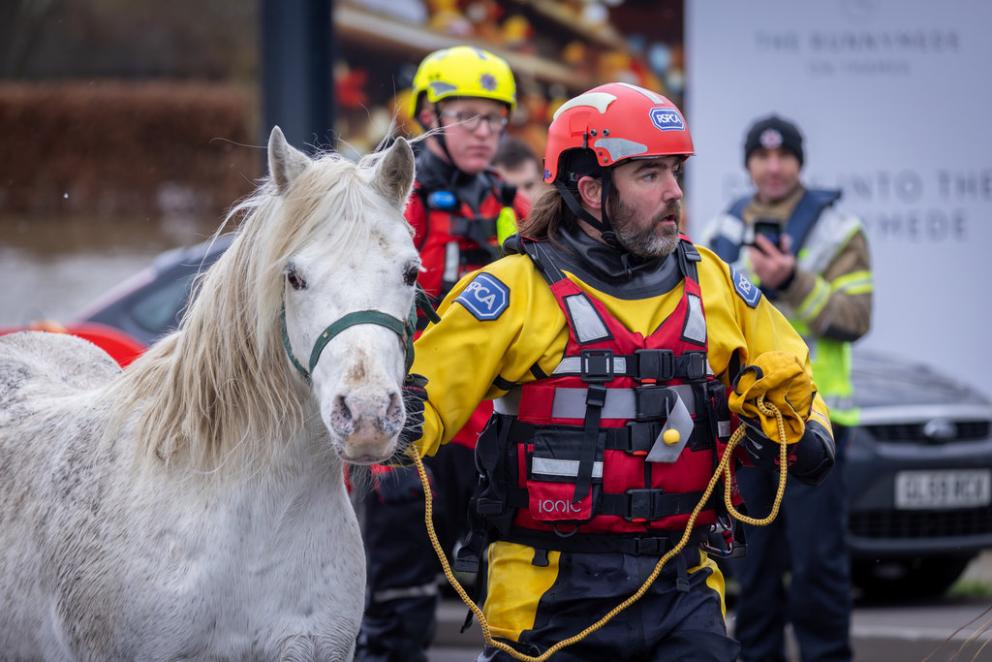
x=917 y=490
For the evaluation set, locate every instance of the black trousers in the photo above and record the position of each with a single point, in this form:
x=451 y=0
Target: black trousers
x=808 y=542
x=400 y=621
x=670 y=622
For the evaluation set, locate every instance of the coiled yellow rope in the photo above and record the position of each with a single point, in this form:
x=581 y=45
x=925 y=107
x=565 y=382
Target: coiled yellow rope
x=723 y=468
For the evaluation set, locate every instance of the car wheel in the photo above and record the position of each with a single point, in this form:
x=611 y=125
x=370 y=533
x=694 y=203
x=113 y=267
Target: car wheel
x=885 y=580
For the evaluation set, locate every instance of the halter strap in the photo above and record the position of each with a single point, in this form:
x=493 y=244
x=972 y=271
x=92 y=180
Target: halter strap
x=376 y=317
x=403 y=329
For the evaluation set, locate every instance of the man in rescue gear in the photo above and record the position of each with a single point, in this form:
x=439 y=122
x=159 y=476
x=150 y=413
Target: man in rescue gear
x=608 y=342
x=465 y=96
x=820 y=277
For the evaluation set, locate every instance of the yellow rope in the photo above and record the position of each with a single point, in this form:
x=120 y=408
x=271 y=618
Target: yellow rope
x=723 y=468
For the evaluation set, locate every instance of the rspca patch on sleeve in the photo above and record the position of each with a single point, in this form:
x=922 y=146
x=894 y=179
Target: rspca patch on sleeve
x=745 y=288
x=667 y=118
x=486 y=297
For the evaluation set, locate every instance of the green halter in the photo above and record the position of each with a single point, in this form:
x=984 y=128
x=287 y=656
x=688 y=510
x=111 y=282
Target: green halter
x=405 y=331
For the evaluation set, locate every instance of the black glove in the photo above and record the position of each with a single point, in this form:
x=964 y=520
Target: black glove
x=762 y=451
x=414 y=396
x=815 y=455
x=810 y=458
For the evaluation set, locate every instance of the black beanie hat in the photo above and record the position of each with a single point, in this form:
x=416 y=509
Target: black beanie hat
x=772 y=132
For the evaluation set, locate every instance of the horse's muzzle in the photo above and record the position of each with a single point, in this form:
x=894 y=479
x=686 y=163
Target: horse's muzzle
x=368 y=422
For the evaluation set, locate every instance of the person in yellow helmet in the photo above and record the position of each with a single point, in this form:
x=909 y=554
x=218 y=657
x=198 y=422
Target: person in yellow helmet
x=463 y=97
x=620 y=358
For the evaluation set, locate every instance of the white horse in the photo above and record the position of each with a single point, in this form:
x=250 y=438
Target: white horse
x=193 y=506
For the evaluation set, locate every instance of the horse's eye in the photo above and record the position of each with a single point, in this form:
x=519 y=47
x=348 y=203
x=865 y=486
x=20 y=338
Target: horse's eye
x=411 y=273
x=296 y=281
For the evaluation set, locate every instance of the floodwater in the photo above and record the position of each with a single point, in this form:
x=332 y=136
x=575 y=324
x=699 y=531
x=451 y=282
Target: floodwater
x=52 y=268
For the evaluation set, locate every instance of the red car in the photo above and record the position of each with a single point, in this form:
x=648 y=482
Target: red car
x=145 y=307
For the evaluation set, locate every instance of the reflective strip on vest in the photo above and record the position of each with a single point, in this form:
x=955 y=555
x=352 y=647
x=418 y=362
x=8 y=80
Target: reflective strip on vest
x=588 y=326
x=815 y=301
x=549 y=466
x=452 y=260
x=572 y=365
x=620 y=402
x=856 y=282
x=730 y=228
x=695 y=323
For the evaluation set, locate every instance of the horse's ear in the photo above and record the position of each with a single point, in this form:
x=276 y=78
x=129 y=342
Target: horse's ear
x=394 y=175
x=285 y=161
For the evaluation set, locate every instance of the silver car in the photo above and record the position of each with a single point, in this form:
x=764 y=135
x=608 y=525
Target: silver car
x=919 y=478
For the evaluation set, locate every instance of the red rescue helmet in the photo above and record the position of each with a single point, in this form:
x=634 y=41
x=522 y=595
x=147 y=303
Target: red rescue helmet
x=616 y=121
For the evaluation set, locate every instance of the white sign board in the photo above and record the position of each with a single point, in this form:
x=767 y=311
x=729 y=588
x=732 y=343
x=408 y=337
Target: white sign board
x=895 y=100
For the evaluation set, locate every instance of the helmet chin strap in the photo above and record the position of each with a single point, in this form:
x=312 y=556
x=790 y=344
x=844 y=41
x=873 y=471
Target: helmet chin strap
x=603 y=224
x=440 y=137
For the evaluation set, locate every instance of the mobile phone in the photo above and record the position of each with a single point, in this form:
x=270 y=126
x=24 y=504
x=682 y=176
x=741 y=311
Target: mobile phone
x=770 y=230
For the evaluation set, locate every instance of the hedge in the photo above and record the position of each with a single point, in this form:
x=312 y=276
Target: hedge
x=125 y=148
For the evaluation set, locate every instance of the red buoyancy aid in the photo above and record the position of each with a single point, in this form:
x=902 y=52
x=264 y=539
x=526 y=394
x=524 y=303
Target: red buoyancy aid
x=585 y=451
x=453 y=242
x=456 y=240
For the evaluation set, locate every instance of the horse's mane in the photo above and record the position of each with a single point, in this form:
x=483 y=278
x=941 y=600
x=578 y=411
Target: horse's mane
x=220 y=383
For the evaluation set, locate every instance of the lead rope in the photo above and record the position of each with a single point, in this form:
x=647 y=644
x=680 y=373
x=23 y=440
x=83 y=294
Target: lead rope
x=722 y=469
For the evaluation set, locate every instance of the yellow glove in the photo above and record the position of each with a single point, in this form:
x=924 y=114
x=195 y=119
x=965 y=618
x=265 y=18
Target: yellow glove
x=780 y=380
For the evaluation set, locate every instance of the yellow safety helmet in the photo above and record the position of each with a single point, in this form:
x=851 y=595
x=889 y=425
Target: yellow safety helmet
x=463 y=71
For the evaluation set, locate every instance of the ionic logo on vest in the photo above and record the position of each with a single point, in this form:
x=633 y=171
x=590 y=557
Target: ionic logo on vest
x=557 y=506
x=486 y=297
x=667 y=119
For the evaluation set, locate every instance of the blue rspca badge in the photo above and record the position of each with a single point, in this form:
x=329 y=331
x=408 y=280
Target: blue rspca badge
x=747 y=290
x=486 y=297
x=667 y=118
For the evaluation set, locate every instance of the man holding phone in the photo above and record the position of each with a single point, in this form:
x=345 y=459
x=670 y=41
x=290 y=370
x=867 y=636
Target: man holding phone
x=812 y=262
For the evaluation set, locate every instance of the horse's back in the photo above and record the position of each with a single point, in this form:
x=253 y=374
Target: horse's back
x=51 y=362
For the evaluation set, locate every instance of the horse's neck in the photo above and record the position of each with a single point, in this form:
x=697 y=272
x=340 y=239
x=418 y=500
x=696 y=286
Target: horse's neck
x=306 y=456
x=297 y=486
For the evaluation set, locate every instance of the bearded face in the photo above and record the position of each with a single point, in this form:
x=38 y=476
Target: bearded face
x=646 y=205
x=656 y=237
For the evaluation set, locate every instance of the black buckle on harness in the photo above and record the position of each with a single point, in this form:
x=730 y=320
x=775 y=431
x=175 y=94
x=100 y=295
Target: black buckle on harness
x=490 y=507
x=640 y=505
x=652 y=403
x=596 y=365
x=656 y=364
x=695 y=365
x=596 y=396
x=641 y=437
x=650 y=546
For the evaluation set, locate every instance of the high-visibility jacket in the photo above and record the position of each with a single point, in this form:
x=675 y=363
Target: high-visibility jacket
x=819 y=233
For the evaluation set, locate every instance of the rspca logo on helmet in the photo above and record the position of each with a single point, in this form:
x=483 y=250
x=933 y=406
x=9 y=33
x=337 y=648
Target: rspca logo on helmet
x=745 y=288
x=486 y=297
x=667 y=118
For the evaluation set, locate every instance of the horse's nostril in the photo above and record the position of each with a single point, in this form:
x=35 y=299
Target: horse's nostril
x=395 y=405
x=343 y=409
